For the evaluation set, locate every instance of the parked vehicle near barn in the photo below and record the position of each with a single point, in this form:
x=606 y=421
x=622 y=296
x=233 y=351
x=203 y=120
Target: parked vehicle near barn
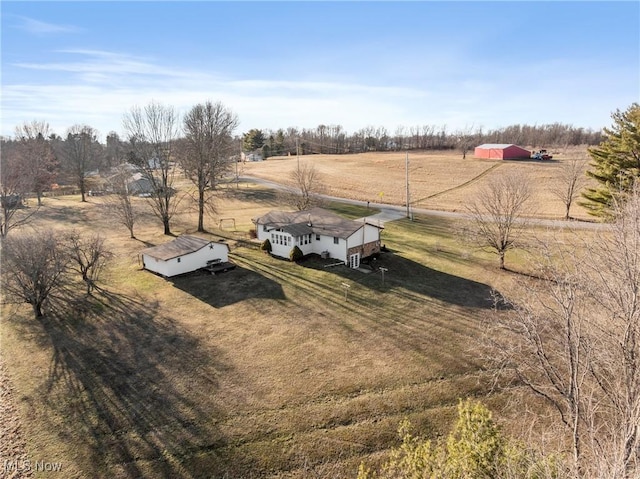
x=541 y=155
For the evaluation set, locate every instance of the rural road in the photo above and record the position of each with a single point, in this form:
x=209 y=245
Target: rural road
x=390 y=212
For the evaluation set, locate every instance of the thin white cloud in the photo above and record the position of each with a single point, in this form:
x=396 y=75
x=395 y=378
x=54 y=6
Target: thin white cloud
x=99 y=64
x=37 y=27
x=98 y=87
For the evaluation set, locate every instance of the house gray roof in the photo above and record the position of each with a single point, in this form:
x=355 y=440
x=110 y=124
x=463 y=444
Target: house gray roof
x=180 y=246
x=313 y=221
x=298 y=229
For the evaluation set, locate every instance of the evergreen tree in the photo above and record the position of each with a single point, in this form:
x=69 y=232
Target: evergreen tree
x=616 y=161
x=278 y=147
x=253 y=140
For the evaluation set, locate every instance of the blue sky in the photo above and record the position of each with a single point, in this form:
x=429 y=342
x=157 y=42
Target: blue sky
x=355 y=64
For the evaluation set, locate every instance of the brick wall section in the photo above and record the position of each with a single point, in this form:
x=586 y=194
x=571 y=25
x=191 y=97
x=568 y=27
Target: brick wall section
x=369 y=249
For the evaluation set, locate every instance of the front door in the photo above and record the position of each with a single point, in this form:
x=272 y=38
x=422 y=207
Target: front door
x=354 y=260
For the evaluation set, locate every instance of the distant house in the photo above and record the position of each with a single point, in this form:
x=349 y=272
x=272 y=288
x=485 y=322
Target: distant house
x=252 y=156
x=139 y=185
x=501 y=151
x=319 y=231
x=183 y=255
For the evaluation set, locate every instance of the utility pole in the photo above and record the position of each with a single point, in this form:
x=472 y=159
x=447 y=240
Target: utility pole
x=238 y=161
x=406 y=166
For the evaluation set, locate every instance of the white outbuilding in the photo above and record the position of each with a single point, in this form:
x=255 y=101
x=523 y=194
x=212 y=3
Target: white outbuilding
x=184 y=254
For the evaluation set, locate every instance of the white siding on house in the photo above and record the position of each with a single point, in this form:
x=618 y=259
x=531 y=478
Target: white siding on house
x=188 y=262
x=371 y=234
x=281 y=243
x=324 y=226
x=326 y=243
x=336 y=251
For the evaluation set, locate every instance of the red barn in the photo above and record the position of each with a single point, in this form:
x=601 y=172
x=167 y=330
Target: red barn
x=500 y=151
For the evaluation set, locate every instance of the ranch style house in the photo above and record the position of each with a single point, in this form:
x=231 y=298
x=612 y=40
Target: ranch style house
x=321 y=232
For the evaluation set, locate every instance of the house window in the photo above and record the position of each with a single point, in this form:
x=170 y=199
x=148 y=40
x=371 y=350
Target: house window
x=264 y=227
x=336 y=240
x=210 y=246
x=317 y=237
x=178 y=260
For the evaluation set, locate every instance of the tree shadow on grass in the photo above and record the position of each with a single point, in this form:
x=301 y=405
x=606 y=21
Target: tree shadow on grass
x=403 y=273
x=263 y=196
x=228 y=288
x=133 y=390
x=67 y=215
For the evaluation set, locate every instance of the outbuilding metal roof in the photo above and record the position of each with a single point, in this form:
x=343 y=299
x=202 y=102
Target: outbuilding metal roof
x=500 y=146
x=180 y=246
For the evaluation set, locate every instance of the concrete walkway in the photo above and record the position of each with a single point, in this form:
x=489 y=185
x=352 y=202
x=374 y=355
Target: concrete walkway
x=386 y=214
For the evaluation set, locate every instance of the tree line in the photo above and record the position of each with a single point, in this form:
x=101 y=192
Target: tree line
x=204 y=144
x=334 y=139
x=158 y=144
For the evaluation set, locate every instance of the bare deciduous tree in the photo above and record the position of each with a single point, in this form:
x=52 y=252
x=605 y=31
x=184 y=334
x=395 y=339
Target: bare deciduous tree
x=81 y=153
x=120 y=204
x=39 y=161
x=305 y=187
x=574 y=338
x=33 y=268
x=14 y=184
x=88 y=255
x=465 y=138
x=152 y=131
x=497 y=213
x=544 y=342
x=571 y=179
x=208 y=154
x=614 y=285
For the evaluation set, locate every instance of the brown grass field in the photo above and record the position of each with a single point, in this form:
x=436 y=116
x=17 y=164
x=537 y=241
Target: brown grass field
x=267 y=370
x=438 y=180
